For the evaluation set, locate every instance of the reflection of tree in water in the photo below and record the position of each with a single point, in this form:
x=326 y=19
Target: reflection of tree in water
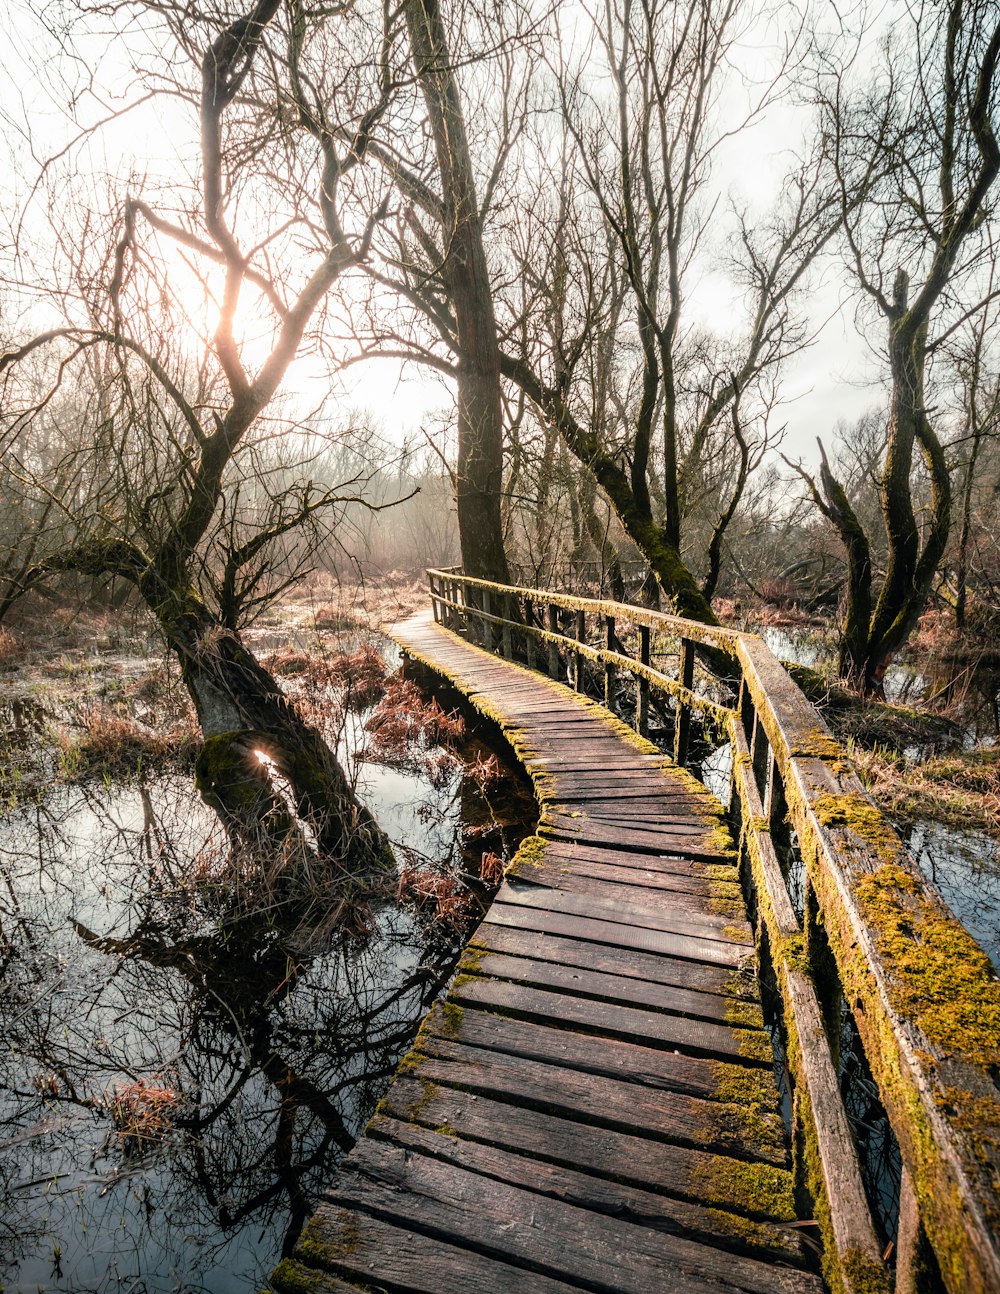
x=118 y=971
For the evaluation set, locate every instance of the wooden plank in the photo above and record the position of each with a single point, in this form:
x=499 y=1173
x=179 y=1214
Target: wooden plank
x=600 y=1194
x=705 y=925
x=617 y=934
x=694 y=843
x=657 y=1114
x=752 y=1191
x=679 y=1032
x=292 y=1277
x=581 y=982
x=625 y=884
x=650 y=967
x=555 y=1239
x=610 y=855
x=387 y=1256
x=652 y=877
x=588 y=1053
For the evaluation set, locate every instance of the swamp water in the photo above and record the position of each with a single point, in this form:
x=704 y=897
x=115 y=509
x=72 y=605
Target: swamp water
x=181 y=1078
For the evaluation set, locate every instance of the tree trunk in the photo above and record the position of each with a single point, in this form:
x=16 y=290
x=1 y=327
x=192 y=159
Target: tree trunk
x=249 y=726
x=480 y=410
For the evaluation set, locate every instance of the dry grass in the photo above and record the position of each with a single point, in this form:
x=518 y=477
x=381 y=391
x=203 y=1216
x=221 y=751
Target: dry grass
x=141 y=1111
x=959 y=790
x=10 y=650
x=404 y=720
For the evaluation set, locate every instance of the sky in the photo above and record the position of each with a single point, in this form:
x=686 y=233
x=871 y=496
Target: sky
x=836 y=379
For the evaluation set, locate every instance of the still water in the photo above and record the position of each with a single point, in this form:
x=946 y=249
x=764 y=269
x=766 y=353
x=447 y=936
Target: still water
x=185 y=1057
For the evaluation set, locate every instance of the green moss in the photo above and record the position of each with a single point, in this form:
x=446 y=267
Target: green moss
x=326 y=1239
x=745 y=1128
x=446 y=1130
x=760 y=1190
x=818 y=744
x=452 y=1014
x=755 y=1044
x=748 y=1233
x=417 y=1107
x=744 y=1015
x=291 y=1277
x=941 y=979
x=864 y=1274
x=744 y=1085
x=856 y=813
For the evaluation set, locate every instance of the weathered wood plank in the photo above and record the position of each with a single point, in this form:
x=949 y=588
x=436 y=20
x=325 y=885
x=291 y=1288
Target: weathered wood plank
x=662 y=1115
x=616 y=1058
x=580 y=982
x=662 y=916
x=556 y=1239
x=382 y=1255
x=699 y=1036
x=603 y=1195
x=617 y=934
x=649 y=967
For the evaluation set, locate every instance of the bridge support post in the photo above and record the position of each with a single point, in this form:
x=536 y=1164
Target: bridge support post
x=529 y=638
x=581 y=633
x=609 y=669
x=552 y=620
x=682 y=721
x=487 y=625
x=505 y=634
x=642 y=685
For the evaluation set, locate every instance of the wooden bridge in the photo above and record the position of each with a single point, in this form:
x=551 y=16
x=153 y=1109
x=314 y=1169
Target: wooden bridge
x=593 y=1105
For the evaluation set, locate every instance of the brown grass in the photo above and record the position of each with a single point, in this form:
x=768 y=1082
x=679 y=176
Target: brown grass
x=959 y=790
x=141 y=1110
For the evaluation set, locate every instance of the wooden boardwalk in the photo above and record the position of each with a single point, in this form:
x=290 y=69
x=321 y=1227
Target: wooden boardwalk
x=593 y=1105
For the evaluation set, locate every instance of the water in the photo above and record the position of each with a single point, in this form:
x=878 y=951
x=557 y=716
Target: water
x=186 y=1059
x=964 y=866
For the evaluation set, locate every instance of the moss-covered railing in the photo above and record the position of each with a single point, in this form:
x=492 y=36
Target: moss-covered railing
x=869 y=941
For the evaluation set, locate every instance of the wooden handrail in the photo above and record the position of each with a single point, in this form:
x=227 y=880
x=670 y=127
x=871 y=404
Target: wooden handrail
x=924 y=997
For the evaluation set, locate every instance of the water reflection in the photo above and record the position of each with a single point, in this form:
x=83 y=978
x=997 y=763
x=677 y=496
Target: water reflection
x=965 y=868
x=186 y=1059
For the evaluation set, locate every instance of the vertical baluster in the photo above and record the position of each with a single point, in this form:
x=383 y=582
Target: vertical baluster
x=435 y=609
x=505 y=635
x=581 y=634
x=682 y=713
x=609 y=669
x=487 y=624
x=552 y=619
x=642 y=685
x=530 y=646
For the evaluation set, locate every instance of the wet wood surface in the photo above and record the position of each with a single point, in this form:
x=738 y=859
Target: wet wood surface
x=592 y=1106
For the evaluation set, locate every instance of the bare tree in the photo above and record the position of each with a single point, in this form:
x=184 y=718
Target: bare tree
x=915 y=157
x=637 y=391
x=171 y=439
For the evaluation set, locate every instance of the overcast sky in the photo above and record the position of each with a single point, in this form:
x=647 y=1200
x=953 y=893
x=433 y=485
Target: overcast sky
x=837 y=378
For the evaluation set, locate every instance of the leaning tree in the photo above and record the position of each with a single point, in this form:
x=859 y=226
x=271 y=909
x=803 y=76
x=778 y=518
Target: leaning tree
x=163 y=427
x=913 y=151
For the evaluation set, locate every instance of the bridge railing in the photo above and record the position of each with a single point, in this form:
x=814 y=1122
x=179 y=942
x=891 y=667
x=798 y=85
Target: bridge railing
x=860 y=946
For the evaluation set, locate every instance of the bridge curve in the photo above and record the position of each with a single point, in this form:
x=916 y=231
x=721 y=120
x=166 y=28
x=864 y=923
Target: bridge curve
x=592 y=1105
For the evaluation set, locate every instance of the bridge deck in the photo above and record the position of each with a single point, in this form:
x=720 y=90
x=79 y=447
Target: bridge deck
x=593 y=1106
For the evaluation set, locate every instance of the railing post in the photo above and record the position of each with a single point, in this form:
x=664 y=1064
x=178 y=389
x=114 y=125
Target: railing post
x=915 y=1262
x=451 y=613
x=505 y=638
x=642 y=685
x=682 y=714
x=487 y=625
x=609 y=669
x=529 y=638
x=552 y=620
x=581 y=634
